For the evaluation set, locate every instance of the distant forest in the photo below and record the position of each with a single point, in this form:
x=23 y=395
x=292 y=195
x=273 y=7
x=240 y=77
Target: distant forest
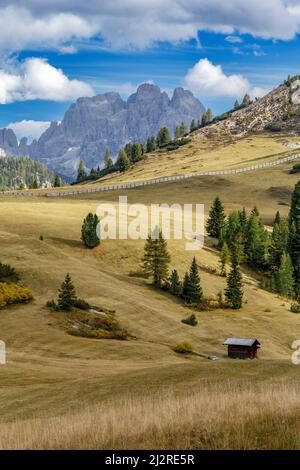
x=22 y=172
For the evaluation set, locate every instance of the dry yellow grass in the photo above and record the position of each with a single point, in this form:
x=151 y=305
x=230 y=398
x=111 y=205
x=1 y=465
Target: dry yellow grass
x=223 y=416
x=56 y=389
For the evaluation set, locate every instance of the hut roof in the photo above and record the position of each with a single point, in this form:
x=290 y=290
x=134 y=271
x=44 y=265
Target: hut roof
x=241 y=342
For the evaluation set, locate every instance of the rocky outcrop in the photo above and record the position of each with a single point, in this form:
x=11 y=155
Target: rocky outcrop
x=91 y=124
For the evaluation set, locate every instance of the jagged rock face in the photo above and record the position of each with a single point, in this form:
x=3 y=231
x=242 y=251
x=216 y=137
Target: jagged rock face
x=91 y=124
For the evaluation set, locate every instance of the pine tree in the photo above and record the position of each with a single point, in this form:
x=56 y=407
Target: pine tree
x=81 y=173
x=193 y=125
x=284 y=279
x=233 y=291
x=175 y=284
x=216 y=219
x=294 y=237
x=122 y=163
x=57 y=181
x=156 y=258
x=128 y=148
x=136 y=152
x=192 y=290
x=34 y=183
x=163 y=137
x=107 y=159
x=237 y=105
x=277 y=218
x=233 y=230
x=256 y=242
x=177 y=132
x=224 y=258
x=183 y=129
x=186 y=287
x=279 y=242
x=151 y=144
x=89 y=235
x=67 y=294
x=246 y=100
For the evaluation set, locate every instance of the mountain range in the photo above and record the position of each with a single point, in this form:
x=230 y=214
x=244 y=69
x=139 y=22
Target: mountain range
x=92 y=124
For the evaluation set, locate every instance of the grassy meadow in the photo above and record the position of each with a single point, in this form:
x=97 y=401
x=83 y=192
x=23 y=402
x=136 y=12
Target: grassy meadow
x=61 y=391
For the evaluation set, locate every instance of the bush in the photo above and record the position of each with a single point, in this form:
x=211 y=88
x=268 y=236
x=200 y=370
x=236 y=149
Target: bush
x=14 y=294
x=295 y=308
x=273 y=127
x=81 y=304
x=191 y=320
x=295 y=169
x=7 y=273
x=184 y=348
x=52 y=304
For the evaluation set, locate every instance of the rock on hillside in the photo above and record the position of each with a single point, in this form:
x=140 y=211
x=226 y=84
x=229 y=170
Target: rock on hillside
x=276 y=110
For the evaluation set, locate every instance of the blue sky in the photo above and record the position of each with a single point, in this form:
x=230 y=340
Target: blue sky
x=219 y=52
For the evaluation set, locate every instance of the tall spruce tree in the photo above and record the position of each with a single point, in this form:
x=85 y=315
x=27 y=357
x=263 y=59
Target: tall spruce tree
x=57 y=181
x=279 y=243
x=294 y=237
x=284 y=279
x=136 y=152
x=66 y=294
x=151 y=144
x=192 y=290
x=224 y=258
x=216 y=219
x=256 y=242
x=123 y=162
x=107 y=159
x=89 y=235
x=233 y=291
x=81 y=173
x=175 y=284
x=163 y=137
x=156 y=258
x=193 y=125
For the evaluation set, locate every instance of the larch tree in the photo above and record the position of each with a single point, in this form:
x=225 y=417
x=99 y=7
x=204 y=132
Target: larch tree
x=156 y=258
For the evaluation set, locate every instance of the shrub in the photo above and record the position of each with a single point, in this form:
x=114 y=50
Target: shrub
x=14 y=294
x=295 y=308
x=51 y=304
x=295 y=169
x=7 y=273
x=184 y=348
x=81 y=304
x=191 y=320
x=41 y=237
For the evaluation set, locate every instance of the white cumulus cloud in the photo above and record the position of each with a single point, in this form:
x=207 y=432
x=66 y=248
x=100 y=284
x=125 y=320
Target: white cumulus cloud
x=35 y=79
x=37 y=24
x=207 y=79
x=30 y=129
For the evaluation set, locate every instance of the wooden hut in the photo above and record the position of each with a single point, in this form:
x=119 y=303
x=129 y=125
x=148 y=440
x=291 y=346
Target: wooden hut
x=242 y=348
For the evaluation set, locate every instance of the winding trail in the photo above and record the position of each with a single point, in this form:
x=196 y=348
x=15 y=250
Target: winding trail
x=163 y=179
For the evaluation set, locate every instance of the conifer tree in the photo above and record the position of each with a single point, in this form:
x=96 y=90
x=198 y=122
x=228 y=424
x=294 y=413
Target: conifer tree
x=233 y=291
x=216 y=219
x=237 y=105
x=192 y=290
x=277 y=218
x=57 y=181
x=224 y=258
x=175 y=284
x=284 y=279
x=279 y=242
x=107 y=159
x=294 y=237
x=67 y=294
x=136 y=152
x=151 y=144
x=156 y=258
x=89 y=235
x=246 y=100
x=256 y=242
x=193 y=125
x=123 y=162
x=81 y=173
x=163 y=137
x=34 y=183
x=128 y=148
